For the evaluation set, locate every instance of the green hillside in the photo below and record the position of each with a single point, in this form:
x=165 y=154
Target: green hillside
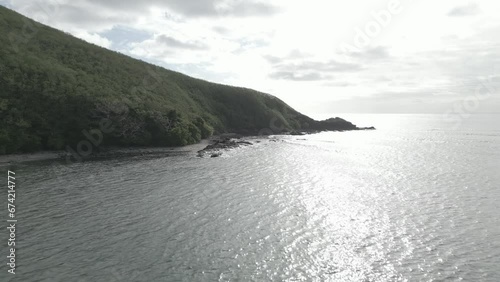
x=54 y=86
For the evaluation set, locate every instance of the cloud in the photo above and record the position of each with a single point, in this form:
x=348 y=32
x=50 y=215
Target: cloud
x=174 y=43
x=121 y=36
x=293 y=55
x=330 y=66
x=305 y=70
x=421 y=101
x=215 y=8
x=73 y=16
x=339 y=84
x=272 y=59
x=467 y=10
x=98 y=16
x=392 y=102
x=221 y=30
x=204 y=8
x=93 y=38
x=5 y=3
x=288 y=75
x=373 y=53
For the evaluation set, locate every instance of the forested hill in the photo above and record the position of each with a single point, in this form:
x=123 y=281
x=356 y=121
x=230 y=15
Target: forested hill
x=54 y=87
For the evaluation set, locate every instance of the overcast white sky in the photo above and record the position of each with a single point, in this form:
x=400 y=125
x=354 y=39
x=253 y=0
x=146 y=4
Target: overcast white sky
x=319 y=56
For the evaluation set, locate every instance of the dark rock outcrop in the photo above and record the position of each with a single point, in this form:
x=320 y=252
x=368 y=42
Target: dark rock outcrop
x=215 y=149
x=298 y=133
x=366 y=128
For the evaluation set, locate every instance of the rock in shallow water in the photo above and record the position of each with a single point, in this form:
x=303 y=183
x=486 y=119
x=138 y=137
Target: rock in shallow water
x=214 y=149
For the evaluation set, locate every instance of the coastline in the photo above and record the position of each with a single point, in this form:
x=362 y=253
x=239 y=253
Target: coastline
x=106 y=152
x=212 y=147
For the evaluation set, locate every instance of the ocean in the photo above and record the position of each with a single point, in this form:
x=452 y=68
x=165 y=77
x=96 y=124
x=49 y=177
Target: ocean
x=415 y=200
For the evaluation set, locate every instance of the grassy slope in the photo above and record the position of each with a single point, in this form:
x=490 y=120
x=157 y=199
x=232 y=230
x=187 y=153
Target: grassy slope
x=53 y=86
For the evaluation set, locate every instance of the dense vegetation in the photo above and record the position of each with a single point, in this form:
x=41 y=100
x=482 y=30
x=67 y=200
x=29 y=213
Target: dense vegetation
x=54 y=87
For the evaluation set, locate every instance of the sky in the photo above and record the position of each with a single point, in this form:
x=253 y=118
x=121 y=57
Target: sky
x=319 y=56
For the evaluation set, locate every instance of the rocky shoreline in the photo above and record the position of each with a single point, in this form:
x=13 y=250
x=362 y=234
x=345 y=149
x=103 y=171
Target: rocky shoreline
x=228 y=141
x=211 y=148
